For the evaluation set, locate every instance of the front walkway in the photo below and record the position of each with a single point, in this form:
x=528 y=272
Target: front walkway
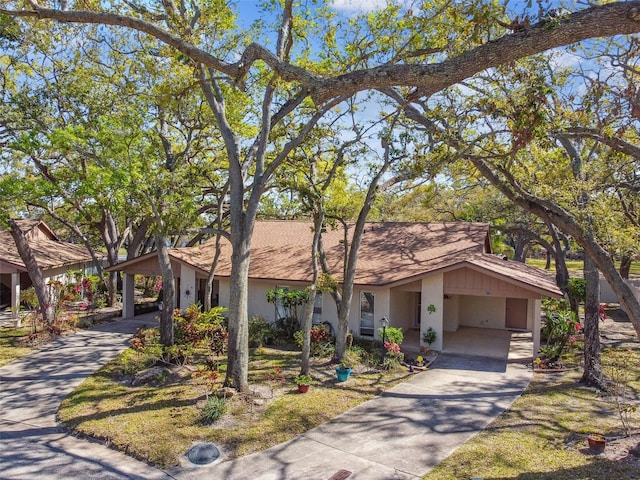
x=32 y=446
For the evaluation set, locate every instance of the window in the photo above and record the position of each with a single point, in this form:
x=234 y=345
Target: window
x=317 y=309
x=366 y=313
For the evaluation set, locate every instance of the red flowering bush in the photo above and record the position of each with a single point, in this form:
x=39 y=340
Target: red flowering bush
x=392 y=347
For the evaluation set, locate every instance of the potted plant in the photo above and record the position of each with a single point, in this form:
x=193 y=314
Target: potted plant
x=429 y=336
x=303 y=382
x=597 y=442
x=344 y=369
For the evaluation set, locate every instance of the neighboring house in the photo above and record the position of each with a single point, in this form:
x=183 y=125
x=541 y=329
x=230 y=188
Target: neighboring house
x=54 y=258
x=418 y=275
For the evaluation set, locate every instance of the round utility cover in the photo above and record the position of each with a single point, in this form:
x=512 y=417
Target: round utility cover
x=203 y=454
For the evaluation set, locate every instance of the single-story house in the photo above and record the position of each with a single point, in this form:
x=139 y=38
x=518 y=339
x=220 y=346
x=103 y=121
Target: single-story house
x=418 y=275
x=54 y=257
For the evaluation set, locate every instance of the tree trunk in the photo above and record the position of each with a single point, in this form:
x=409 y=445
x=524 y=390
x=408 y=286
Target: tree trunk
x=554 y=214
x=138 y=241
x=520 y=248
x=308 y=312
x=343 y=328
x=625 y=265
x=562 y=271
x=306 y=328
x=208 y=290
x=109 y=232
x=238 y=350
x=35 y=273
x=592 y=374
x=168 y=292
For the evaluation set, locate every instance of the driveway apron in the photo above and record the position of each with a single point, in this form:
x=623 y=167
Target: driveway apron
x=32 y=446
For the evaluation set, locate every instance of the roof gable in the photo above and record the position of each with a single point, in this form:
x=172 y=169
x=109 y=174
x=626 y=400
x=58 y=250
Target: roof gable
x=48 y=250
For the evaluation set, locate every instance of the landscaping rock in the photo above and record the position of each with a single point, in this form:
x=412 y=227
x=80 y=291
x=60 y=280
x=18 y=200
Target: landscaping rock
x=225 y=392
x=150 y=376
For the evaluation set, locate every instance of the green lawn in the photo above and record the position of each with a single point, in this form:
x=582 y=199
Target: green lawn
x=13 y=344
x=575 y=266
x=543 y=435
x=159 y=423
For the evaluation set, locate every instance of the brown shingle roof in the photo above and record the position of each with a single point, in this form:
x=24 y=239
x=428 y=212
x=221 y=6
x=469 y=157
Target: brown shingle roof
x=390 y=252
x=49 y=253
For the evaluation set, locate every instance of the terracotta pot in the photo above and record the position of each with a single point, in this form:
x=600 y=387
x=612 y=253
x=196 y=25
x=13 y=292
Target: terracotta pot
x=597 y=442
x=303 y=388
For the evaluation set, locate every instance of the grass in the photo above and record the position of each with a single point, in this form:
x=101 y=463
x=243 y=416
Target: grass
x=575 y=266
x=543 y=435
x=159 y=423
x=13 y=344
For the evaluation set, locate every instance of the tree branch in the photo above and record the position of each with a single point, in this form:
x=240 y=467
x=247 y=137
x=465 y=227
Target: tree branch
x=618 y=18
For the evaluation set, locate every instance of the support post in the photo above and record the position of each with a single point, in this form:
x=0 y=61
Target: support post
x=15 y=299
x=128 y=300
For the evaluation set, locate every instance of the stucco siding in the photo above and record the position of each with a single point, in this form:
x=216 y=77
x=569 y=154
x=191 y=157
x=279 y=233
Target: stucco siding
x=432 y=295
x=402 y=310
x=451 y=313
x=187 y=286
x=258 y=304
x=484 y=312
x=224 y=293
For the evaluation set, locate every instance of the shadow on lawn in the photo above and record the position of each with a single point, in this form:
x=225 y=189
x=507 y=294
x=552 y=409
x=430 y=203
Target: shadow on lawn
x=599 y=469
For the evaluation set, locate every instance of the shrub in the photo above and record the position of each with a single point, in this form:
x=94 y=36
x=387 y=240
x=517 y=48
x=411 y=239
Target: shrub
x=321 y=343
x=29 y=298
x=302 y=380
x=206 y=378
x=370 y=345
x=287 y=327
x=392 y=334
x=351 y=359
x=559 y=329
x=620 y=366
x=393 y=356
x=259 y=330
x=194 y=328
x=578 y=289
x=213 y=410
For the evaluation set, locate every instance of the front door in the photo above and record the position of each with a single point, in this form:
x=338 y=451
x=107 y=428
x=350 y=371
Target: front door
x=516 y=314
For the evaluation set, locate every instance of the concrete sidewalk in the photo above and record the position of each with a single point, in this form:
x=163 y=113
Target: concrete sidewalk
x=401 y=434
x=32 y=446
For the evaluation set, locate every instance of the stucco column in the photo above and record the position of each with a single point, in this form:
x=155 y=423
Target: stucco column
x=431 y=314
x=15 y=298
x=187 y=286
x=537 y=313
x=128 y=295
x=381 y=308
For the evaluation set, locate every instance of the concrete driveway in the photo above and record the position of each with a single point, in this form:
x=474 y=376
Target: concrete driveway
x=401 y=434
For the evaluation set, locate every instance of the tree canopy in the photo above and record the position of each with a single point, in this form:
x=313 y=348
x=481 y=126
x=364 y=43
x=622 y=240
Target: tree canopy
x=269 y=88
